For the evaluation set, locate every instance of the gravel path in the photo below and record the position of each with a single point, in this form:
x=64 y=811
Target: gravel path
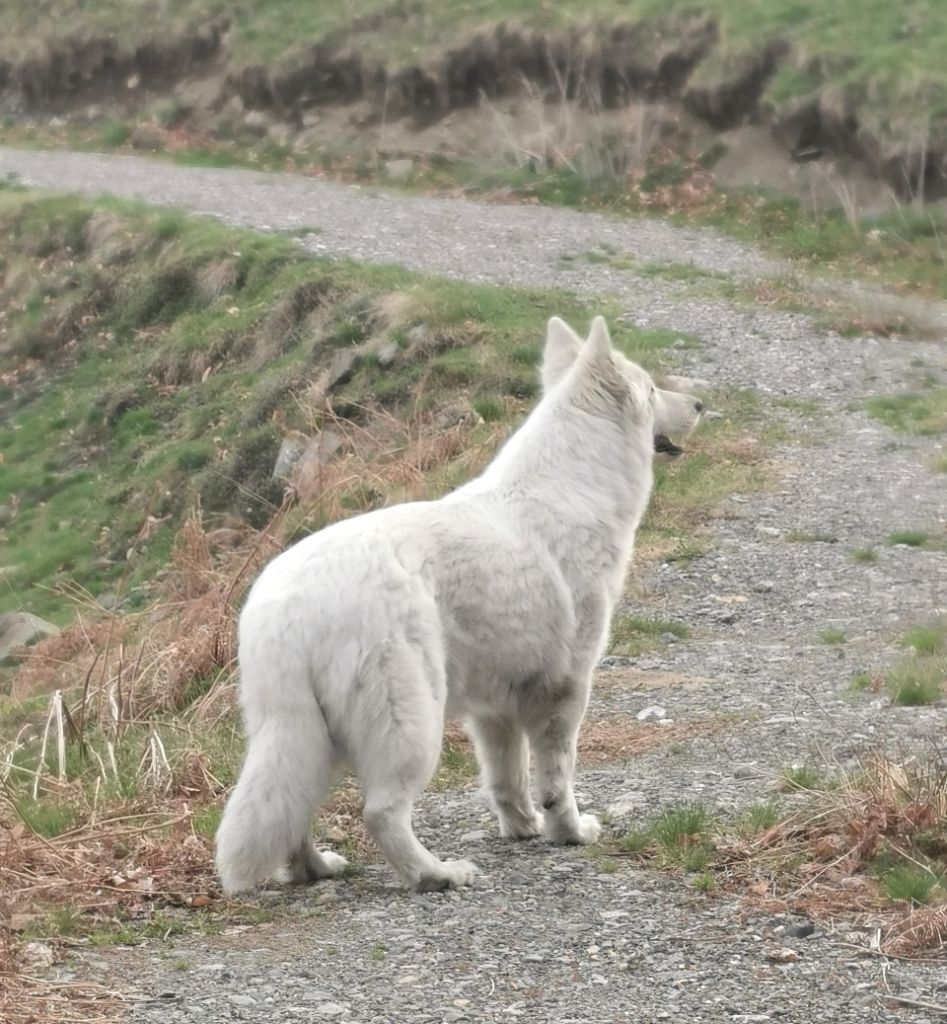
x=548 y=934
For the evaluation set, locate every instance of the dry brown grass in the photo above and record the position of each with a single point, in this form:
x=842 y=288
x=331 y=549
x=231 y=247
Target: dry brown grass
x=384 y=458
x=648 y=682
x=824 y=859
x=26 y=998
x=60 y=661
x=618 y=737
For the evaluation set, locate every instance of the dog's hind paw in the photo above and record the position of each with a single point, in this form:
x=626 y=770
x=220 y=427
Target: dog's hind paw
x=451 y=874
x=333 y=864
x=587 y=833
x=522 y=829
x=590 y=829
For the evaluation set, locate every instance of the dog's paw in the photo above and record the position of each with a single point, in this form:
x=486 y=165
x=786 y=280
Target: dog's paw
x=332 y=864
x=522 y=829
x=451 y=874
x=590 y=828
x=588 y=831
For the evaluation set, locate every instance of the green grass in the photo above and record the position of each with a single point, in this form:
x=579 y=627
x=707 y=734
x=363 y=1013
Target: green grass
x=632 y=635
x=47 y=817
x=915 y=413
x=865 y=556
x=457 y=767
x=916 y=681
x=862 y=681
x=677 y=826
x=704 y=882
x=926 y=640
x=909 y=538
x=909 y=883
x=681 y=834
x=635 y=840
x=758 y=817
x=801 y=777
x=832 y=636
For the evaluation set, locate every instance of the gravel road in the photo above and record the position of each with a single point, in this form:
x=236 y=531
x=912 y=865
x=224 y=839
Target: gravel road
x=548 y=934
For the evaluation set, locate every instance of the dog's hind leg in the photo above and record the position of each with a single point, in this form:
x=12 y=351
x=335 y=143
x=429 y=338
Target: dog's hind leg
x=399 y=747
x=553 y=738
x=504 y=762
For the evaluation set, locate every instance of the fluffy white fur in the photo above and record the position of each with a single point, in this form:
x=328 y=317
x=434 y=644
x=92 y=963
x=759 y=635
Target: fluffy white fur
x=491 y=604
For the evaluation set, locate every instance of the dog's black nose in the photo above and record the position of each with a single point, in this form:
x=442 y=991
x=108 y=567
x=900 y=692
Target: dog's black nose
x=699 y=406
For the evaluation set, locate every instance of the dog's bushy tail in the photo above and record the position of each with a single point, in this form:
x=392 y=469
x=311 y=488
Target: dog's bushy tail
x=285 y=775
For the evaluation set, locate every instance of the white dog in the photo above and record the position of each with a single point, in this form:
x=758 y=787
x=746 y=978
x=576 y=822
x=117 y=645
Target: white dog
x=491 y=604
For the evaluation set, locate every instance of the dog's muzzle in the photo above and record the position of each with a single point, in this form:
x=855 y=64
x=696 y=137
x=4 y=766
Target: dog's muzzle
x=663 y=445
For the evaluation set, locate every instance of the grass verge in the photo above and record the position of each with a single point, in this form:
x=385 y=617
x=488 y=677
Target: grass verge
x=872 y=843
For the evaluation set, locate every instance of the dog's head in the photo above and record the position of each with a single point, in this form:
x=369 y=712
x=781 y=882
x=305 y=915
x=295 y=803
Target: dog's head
x=610 y=383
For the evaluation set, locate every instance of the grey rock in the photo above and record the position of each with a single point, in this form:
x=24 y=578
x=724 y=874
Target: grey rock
x=147 y=136
x=307 y=138
x=281 y=134
x=290 y=452
x=318 y=451
x=257 y=122
x=387 y=354
x=399 y=170
x=17 y=629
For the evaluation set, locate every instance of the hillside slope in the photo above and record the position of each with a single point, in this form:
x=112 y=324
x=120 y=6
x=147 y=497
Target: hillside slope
x=860 y=78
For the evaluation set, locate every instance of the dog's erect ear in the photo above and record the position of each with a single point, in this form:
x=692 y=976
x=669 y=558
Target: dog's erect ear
x=598 y=348
x=562 y=347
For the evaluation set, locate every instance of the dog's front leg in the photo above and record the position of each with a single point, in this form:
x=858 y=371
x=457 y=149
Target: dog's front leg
x=554 y=739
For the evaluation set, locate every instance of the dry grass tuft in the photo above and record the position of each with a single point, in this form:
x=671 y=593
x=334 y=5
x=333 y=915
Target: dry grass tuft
x=617 y=738
x=60 y=661
x=831 y=855
x=28 y=999
x=217 y=278
x=385 y=459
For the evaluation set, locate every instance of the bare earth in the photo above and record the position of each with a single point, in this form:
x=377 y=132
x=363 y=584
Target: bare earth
x=548 y=934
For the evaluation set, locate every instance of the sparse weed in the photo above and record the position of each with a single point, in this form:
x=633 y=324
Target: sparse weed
x=833 y=636
x=909 y=538
x=926 y=640
x=704 y=882
x=758 y=817
x=916 y=681
x=862 y=681
x=679 y=826
x=865 y=556
x=635 y=840
x=910 y=883
x=801 y=777
x=632 y=635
